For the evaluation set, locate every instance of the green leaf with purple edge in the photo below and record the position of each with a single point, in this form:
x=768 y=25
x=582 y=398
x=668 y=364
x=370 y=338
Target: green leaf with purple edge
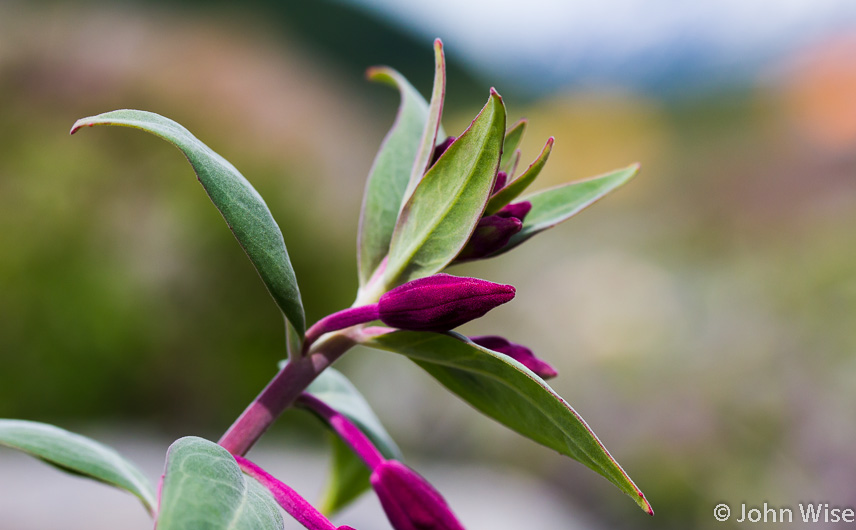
x=513 y=189
x=203 y=487
x=390 y=173
x=432 y=124
x=505 y=390
x=440 y=216
x=240 y=204
x=555 y=205
x=345 y=484
x=513 y=137
x=77 y=454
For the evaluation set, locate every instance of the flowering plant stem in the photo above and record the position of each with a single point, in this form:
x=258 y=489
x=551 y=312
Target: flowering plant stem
x=282 y=391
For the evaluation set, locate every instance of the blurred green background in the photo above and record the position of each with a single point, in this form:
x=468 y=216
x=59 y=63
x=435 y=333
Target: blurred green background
x=703 y=319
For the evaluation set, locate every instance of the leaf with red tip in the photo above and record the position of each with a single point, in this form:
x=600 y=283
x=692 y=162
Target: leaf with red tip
x=555 y=205
x=505 y=390
x=440 y=216
x=432 y=124
x=513 y=189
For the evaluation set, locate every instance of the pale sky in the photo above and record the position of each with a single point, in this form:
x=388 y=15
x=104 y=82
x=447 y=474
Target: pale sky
x=645 y=43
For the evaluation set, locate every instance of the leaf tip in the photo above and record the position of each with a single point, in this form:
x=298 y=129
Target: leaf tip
x=438 y=44
x=79 y=124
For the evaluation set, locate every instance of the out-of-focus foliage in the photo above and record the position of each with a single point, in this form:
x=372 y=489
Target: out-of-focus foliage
x=701 y=318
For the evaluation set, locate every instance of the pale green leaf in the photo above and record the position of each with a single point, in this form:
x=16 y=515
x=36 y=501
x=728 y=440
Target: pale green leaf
x=390 y=173
x=77 y=454
x=432 y=124
x=514 y=188
x=555 y=205
x=505 y=390
x=240 y=204
x=440 y=216
x=204 y=489
x=347 y=479
x=513 y=137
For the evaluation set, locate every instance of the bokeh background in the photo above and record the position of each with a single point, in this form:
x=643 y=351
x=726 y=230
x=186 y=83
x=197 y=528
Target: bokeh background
x=703 y=318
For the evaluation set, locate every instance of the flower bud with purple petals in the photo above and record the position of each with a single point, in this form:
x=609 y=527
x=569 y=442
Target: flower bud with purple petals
x=519 y=353
x=440 y=302
x=410 y=502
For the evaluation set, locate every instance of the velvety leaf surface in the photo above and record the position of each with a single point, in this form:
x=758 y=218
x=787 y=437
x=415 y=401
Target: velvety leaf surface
x=440 y=216
x=77 y=454
x=432 y=124
x=513 y=137
x=551 y=207
x=514 y=188
x=203 y=488
x=508 y=392
x=240 y=204
x=390 y=173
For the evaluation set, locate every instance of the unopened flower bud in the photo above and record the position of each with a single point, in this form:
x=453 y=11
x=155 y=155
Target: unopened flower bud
x=440 y=148
x=501 y=179
x=440 y=302
x=410 y=502
x=517 y=210
x=519 y=353
x=491 y=234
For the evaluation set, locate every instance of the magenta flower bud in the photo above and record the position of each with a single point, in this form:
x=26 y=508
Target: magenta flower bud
x=501 y=179
x=441 y=148
x=410 y=502
x=517 y=210
x=491 y=234
x=519 y=353
x=440 y=302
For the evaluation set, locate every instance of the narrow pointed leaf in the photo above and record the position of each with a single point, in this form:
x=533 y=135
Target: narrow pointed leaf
x=349 y=476
x=555 y=205
x=77 y=454
x=514 y=188
x=390 y=173
x=513 y=137
x=505 y=390
x=511 y=167
x=240 y=204
x=439 y=217
x=203 y=487
x=432 y=124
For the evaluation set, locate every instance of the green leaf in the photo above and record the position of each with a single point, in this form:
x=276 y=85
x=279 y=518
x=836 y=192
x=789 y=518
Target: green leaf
x=390 y=173
x=505 y=390
x=347 y=481
x=439 y=218
x=513 y=137
x=551 y=207
x=334 y=389
x=203 y=488
x=77 y=454
x=348 y=478
x=240 y=204
x=432 y=124
x=513 y=189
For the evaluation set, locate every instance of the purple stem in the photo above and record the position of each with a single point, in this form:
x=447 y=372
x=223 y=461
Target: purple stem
x=340 y=320
x=296 y=506
x=280 y=393
x=347 y=431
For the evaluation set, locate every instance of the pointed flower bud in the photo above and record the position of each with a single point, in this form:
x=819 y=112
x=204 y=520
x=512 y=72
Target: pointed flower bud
x=491 y=234
x=501 y=179
x=517 y=210
x=440 y=302
x=410 y=502
x=519 y=353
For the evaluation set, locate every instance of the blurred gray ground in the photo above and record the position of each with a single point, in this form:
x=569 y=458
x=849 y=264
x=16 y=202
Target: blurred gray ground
x=35 y=496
